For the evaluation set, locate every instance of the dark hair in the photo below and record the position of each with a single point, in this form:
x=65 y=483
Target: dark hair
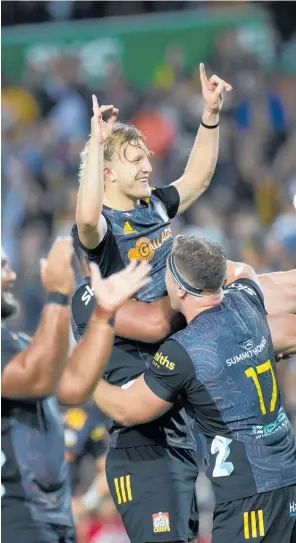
x=200 y=261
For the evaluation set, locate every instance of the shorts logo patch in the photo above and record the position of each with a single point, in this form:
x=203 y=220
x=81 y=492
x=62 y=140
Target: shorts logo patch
x=292 y=509
x=161 y=522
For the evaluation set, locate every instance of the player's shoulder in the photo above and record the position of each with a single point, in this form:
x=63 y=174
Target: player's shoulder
x=83 y=302
x=248 y=289
x=244 y=284
x=172 y=349
x=158 y=193
x=169 y=197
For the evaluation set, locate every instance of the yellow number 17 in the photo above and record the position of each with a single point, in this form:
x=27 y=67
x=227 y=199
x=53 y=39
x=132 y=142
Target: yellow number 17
x=262 y=368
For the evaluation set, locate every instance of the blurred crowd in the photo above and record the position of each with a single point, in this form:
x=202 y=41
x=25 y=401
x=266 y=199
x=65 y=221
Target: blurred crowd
x=249 y=206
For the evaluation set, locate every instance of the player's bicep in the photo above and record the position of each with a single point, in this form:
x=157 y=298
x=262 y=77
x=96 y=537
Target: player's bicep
x=91 y=236
x=188 y=192
x=18 y=381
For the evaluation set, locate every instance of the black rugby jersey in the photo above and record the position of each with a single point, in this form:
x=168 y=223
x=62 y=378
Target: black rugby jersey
x=143 y=233
x=223 y=365
x=34 y=471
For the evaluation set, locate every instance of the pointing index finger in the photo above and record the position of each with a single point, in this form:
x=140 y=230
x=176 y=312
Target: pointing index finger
x=203 y=75
x=95 y=103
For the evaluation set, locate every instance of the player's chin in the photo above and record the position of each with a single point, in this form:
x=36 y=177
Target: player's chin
x=144 y=191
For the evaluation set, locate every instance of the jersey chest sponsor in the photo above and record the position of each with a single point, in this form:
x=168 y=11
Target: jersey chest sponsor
x=144 y=247
x=141 y=233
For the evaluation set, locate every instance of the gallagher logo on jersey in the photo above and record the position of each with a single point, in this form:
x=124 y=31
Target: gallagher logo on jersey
x=145 y=247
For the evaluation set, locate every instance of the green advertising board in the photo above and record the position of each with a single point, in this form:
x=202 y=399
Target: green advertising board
x=139 y=42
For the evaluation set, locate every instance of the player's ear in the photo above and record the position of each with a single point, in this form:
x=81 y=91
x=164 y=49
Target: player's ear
x=181 y=292
x=109 y=175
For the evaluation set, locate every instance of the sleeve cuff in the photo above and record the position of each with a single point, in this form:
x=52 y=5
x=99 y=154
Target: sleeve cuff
x=158 y=389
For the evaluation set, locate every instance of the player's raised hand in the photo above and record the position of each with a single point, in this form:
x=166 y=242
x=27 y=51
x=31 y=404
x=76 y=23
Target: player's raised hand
x=113 y=292
x=56 y=270
x=101 y=129
x=213 y=90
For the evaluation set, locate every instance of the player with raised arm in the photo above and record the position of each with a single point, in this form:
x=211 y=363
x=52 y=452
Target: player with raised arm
x=36 y=498
x=223 y=365
x=119 y=219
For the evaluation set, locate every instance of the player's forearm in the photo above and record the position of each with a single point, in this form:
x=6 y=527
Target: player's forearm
x=279 y=290
x=42 y=363
x=146 y=322
x=204 y=155
x=88 y=361
x=91 y=190
x=283 y=333
x=285 y=279
x=111 y=400
x=201 y=164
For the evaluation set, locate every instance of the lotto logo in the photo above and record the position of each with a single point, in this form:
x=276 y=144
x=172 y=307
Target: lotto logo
x=161 y=522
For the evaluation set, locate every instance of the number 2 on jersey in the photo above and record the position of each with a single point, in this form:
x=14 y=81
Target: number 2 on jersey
x=262 y=368
x=220 y=445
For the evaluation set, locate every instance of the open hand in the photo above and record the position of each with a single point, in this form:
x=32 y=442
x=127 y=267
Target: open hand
x=114 y=291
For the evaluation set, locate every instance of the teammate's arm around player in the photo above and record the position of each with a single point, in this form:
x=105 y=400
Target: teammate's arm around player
x=279 y=288
x=282 y=325
x=283 y=333
x=91 y=224
x=119 y=404
x=203 y=158
x=35 y=371
x=79 y=381
x=279 y=291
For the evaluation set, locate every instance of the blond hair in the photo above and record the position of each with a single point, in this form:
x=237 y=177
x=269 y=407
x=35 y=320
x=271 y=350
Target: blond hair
x=122 y=134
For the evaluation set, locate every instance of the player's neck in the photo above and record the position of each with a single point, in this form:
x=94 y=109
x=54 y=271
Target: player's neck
x=194 y=306
x=119 y=201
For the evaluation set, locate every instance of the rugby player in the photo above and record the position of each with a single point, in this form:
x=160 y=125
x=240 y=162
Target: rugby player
x=223 y=365
x=120 y=220
x=36 y=498
x=114 y=171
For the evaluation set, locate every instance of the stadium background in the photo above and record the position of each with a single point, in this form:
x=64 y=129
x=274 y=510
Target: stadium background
x=143 y=57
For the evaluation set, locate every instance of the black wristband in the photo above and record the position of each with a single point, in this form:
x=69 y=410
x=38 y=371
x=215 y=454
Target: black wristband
x=210 y=126
x=58 y=298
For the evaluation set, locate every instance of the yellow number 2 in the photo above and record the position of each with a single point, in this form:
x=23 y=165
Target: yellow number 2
x=262 y=368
